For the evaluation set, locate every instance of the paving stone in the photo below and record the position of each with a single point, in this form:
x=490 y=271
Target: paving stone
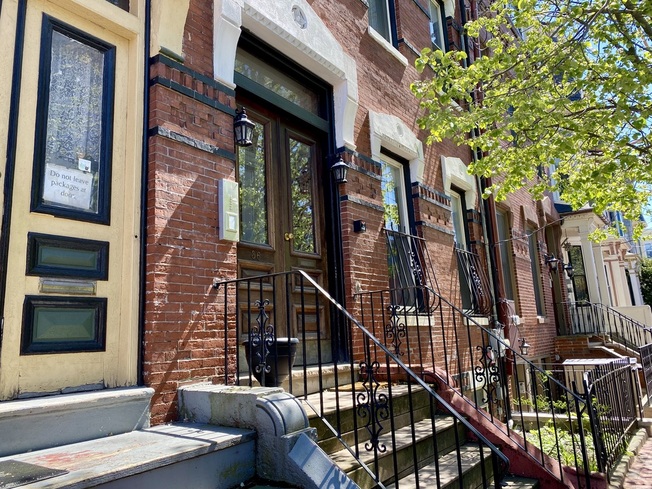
x=639 y=474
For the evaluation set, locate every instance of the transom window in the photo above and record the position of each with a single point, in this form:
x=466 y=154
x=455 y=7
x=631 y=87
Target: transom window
x=278 y=82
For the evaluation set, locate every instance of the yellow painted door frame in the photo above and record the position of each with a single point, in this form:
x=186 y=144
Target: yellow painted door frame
x=47 y=230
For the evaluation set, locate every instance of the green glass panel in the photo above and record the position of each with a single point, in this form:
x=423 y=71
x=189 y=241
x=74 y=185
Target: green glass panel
x=253 y=189
x=303 y=210
x=62 y=324
x=54 y=256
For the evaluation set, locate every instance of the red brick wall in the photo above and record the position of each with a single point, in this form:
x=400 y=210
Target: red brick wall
x=183 y=327
x=183 y=335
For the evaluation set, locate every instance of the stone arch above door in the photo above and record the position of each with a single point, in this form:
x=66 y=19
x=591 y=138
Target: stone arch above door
x=292 y=27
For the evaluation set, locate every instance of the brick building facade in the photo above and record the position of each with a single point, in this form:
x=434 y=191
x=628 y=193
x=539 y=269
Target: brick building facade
x=325 y=79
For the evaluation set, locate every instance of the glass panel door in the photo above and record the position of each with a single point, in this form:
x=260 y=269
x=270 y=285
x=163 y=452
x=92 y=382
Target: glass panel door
x=282 y=221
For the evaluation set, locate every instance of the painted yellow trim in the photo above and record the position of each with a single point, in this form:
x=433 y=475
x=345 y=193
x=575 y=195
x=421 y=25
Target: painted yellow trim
x=118 y=364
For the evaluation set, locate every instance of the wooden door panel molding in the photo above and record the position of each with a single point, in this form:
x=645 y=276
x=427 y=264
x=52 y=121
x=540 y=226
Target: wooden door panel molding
x=117 y=365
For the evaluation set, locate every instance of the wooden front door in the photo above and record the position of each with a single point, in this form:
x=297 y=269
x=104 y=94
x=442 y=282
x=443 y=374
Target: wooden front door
x=282 y=227
x=70 y=317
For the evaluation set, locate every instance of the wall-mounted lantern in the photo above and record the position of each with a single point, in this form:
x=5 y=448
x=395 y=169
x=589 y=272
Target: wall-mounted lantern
x=552 y=262
x=339 y=171
x=243 y=129
x=525 y=347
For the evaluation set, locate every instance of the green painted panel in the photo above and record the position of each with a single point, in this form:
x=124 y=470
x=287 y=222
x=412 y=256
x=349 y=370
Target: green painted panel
x=54 y=256
x=61 y=324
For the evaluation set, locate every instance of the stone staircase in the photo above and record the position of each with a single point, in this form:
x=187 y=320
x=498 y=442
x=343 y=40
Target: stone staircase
x=231 y=435
x=103 y=439
x=416 y=438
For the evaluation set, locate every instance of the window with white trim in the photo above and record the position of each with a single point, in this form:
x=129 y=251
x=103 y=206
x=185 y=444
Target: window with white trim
x=379 y=18
x=535 y=265
x=437 y=23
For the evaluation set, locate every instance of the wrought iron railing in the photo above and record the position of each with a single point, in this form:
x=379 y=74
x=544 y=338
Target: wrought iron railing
x=597 y=319
x=395 y=428
x=476 y=282
x=588 y=318
x=536 y=410
x=408 y=261
x=613 y=396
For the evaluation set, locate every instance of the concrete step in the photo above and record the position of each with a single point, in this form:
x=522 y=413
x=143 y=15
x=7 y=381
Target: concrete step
x=447 y=466
x=514 y=482
x=340 y=411
x=315 y=378
x=164 y=457
x=413 y=445
x=50 y=421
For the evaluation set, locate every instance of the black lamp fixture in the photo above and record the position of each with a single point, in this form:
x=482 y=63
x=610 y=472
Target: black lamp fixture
x=339 y=171
x=524 y=345
x=552 y=262
x=243 y=129
x=568 y=268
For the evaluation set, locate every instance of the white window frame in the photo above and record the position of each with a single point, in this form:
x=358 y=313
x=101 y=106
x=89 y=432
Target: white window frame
x=537 y=276
x=458 y=218
x=437 y=23
x=380 y=6
x=398 y=170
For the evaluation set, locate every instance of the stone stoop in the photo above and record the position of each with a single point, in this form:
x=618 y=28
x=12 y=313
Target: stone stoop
x=102 y=439
x=417 y=436
x=163 y=457
x=50 y=421
x=286 y=450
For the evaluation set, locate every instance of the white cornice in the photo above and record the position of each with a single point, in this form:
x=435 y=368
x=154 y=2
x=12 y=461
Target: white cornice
x=292 y=27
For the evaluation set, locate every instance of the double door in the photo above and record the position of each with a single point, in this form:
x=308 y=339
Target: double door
x=282 y=230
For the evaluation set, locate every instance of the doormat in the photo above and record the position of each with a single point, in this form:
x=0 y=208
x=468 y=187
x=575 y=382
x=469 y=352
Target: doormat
x=14 y=473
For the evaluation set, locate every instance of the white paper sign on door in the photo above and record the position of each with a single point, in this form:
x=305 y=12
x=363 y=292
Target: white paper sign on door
x=68 y=186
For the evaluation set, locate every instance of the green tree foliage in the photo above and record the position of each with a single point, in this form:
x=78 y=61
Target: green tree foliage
x=563 y=86
x=646 y=281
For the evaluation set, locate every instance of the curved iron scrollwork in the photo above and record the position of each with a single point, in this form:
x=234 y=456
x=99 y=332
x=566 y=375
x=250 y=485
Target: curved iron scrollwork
x=487 y=373
x=261 y=337
x=372 y=406
x=395 y=329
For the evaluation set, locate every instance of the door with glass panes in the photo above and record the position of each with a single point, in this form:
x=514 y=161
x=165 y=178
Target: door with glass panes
x=282 y=229
x=70 y=311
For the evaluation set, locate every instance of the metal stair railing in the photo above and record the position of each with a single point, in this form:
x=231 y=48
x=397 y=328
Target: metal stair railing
x=539 y=411
x=592 y=318
x=380 y=390
x=613 y=411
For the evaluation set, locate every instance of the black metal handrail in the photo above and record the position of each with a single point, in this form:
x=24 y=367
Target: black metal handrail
x=592 y=318
x=537 y=410
x=377 y=407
